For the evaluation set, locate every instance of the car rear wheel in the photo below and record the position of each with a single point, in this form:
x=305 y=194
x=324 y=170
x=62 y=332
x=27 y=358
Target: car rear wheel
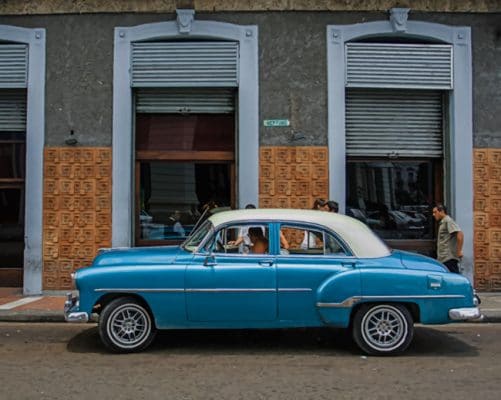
x=383 y=329
x=125 y=326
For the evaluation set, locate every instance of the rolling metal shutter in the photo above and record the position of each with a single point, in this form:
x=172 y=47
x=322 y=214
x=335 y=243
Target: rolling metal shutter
x=186 y=101
x=184 y=64
x=396 y=65
x=13 y=65
x=12 y=111
x=399 y=123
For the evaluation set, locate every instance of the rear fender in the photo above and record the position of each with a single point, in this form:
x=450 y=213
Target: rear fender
x=336 y=297
x=429 y=295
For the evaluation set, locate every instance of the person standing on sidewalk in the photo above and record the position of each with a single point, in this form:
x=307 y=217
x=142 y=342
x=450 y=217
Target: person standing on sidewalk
x=450 y=239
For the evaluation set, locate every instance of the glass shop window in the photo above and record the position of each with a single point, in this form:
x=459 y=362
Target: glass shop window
x=185 y=165
x=394 y=198
x=12 y=198
x=173 y=196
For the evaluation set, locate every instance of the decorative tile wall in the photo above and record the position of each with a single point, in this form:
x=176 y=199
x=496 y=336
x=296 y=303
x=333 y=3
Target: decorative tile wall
x=293 y=177
x=487 y=218
x=76 y=211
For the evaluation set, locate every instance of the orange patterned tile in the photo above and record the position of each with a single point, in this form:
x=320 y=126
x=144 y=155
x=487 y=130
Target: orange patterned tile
x=77 y=196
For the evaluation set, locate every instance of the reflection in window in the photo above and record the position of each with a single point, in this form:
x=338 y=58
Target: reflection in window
x=11 y=226
x=392 y=197
x=174 y=195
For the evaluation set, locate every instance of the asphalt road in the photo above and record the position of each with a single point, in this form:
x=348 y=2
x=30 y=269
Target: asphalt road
x=63 y=361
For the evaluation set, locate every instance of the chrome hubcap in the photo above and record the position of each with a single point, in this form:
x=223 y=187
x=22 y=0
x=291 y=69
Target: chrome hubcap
x=384 y=328
x=129 y=325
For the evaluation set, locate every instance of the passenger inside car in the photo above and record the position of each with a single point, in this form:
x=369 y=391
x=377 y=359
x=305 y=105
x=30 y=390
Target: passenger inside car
x=259 y=242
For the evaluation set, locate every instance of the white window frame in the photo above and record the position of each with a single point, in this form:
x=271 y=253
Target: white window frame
x=247 y=112
x=35 y=138
x=459 y=191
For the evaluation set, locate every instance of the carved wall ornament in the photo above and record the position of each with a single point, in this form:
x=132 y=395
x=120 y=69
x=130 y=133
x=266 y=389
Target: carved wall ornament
x=185 y=19
x=398 y=19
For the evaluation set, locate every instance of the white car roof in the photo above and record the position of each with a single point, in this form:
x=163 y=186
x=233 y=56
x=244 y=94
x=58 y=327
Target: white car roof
x=362 y=241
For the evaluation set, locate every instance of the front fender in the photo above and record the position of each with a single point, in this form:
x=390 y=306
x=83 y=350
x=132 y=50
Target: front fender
x=336 y=297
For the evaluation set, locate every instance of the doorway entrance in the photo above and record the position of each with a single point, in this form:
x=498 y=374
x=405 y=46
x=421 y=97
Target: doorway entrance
x=12 y=185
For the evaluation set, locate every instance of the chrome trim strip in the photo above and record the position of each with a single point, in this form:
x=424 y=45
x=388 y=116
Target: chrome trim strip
x=350 y=301
x=347 y=303
x=207 y=290
x=418 y=296
x=229 y=290
x=135 y=290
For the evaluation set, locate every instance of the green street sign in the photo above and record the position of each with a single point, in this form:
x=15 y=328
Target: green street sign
x=276 y=122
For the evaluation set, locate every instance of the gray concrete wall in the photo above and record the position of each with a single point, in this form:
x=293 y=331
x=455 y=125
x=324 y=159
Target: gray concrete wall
x=293 y=76
x=17 y=7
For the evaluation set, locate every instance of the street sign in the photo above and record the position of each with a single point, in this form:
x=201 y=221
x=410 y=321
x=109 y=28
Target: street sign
x=276 y=122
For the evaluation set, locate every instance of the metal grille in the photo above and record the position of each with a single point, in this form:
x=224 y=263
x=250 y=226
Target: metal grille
x=13 y=65
x=392 y=65
x=186 y=101
x=388 y=123
x=184 y=64
x=12 y=111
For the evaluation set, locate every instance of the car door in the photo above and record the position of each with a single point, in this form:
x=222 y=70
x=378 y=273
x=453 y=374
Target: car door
x=315 y=256
x=224 y=284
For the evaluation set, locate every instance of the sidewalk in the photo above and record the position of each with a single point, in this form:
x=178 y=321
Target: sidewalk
x=48 y=307
x=44 y=308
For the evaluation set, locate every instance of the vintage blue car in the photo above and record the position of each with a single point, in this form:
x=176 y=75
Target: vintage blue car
x=272 y=268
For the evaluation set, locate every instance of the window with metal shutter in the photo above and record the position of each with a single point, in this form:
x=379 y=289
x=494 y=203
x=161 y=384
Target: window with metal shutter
x=13 y=65
x=185 y=101
x=399 y=65
x=399 y=123
x=185 y=64
x=12 y=111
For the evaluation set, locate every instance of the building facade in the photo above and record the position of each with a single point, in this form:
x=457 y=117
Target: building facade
x=121 y=122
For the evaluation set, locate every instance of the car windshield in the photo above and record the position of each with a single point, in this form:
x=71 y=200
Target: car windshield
x=196 y=238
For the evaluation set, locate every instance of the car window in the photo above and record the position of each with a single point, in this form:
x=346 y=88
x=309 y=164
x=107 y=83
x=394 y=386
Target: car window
x=240 y=239
x=306 y=240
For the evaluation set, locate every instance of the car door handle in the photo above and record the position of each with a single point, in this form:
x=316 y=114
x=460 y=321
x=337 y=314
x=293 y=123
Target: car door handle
x=266 y=263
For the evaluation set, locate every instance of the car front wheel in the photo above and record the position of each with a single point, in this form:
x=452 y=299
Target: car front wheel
x=125 y=326
x=383 y=329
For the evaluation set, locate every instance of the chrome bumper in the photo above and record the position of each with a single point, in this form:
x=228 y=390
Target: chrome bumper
x=71 y=313
x=466 y=314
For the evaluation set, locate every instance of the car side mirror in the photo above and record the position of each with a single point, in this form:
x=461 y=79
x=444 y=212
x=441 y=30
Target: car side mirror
x=210 y=260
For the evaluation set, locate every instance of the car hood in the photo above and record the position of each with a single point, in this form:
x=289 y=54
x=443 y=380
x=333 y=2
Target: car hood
x=419 y=262
x=138 y=256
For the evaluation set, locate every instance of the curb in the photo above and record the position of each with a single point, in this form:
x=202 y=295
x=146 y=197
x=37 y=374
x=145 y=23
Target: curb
x=32 y=316
x=492 y=318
